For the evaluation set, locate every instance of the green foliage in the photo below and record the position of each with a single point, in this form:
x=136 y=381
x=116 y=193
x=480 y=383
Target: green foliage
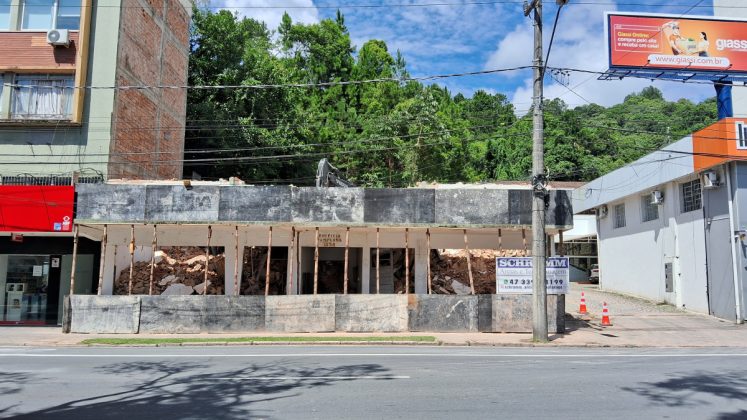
x=388 y=133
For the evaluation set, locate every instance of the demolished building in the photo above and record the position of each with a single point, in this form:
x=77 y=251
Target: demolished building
x=305 y=240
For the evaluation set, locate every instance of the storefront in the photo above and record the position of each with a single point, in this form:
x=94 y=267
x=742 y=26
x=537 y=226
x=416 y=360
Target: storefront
x=36 y=247
x=35 y=276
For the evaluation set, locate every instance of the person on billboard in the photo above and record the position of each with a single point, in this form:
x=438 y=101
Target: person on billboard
x=672 y=32
x=703 y=45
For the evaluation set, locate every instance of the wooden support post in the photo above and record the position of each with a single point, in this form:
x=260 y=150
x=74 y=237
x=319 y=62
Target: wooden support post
x=153 y=260
x=269 y=256
x=102 y=261
x=291 y=263
x=114 y=275
x=407 y=261
x=316 y=260
x=236 y=283
x=378 y=262
x=132 y=258
x=207 y=259
x=299 y=286
x=347 y=249
x=428 y=267
x=76 y=229
x=469 y=263
x=524 y=238
x=500 y=241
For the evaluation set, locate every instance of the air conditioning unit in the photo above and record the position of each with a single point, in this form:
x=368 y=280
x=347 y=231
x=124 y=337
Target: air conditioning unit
x=657 y=197
x=58 y=37
x=710 y=180
x=602 y=212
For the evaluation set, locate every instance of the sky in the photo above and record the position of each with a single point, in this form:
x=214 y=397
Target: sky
x=465 y=36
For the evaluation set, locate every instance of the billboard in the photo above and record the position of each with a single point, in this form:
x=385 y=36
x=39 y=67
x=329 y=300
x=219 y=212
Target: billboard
x=514 y=275
x=705 y=44
x=35 y=208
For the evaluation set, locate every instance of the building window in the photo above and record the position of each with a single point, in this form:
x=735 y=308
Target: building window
x=649 y=210
x=741 y=133
x=4 y=15
x=51 y=14
x=620 y=215
x=42 y=97
x=691 y=198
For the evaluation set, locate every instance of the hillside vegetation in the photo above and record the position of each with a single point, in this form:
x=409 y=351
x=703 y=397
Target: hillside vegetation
x=387 y=133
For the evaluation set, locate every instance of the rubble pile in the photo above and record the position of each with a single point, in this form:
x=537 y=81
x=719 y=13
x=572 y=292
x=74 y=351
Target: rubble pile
x=178 y=271
x=254 y=271
x=449 y=273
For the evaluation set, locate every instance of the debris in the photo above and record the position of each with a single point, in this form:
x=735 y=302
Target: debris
x=460 y=288
x=449 y=269
x=177 y=289
x=168 y=280
x=201 y=287
x=174 y=266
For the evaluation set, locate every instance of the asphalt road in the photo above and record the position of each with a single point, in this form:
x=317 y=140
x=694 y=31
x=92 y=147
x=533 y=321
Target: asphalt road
x=362 y=382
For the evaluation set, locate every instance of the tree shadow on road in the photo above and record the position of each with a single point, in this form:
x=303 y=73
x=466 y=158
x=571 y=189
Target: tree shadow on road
x=11 y=383
x=174 y=390
x=690 y=390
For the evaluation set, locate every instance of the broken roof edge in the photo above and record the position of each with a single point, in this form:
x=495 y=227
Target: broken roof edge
x=234 y=181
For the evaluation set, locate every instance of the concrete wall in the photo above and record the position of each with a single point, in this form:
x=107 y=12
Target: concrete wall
x=632 y=258
x=307 y=205
x=306 y=313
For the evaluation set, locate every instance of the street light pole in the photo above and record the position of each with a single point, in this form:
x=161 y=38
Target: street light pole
x=539 y=185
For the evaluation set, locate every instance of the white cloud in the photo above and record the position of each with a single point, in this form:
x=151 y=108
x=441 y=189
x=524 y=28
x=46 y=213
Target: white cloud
x=301 y=11
x=514 y=50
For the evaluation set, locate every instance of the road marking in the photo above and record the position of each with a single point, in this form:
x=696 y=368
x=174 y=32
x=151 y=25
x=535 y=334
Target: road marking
x=460 y=355
x=303 y=378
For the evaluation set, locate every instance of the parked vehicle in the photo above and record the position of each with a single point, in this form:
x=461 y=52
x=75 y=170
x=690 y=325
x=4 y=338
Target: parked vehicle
x=594 y=274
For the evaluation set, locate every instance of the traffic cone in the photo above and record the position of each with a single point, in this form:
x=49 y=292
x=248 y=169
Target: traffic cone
x=605 y=316
x=582 y=309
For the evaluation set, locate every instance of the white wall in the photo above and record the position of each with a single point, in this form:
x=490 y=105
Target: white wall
x=632 y=258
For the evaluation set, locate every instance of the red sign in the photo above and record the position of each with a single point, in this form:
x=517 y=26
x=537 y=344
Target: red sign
x=677 y=43
x=36 y=208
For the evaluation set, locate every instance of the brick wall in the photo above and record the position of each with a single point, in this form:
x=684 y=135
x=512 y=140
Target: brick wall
x=29 y=50
x=148 y=126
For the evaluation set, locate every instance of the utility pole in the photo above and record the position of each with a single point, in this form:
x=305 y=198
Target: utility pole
x=539 y=184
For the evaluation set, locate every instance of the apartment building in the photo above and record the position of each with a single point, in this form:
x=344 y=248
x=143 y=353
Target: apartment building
x=80 y=102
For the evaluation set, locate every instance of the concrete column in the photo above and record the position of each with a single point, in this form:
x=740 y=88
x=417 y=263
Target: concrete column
x=15 y=15
x=421 y=262
x=366 y=263
x=108 y=286
x=553 y=250
x=7 y=94
x=231 y=257
x=292 y=286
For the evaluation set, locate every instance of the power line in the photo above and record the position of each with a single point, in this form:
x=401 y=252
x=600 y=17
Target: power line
x=284 y=85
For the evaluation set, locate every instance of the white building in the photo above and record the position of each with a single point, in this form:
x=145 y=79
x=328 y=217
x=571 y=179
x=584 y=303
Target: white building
x=669 y=224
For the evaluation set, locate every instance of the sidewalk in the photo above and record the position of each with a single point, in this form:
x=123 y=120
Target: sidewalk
x=636 y=323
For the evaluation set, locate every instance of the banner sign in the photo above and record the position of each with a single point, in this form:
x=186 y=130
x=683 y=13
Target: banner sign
x=514 y=275
x=36 y=208
x=675 y=43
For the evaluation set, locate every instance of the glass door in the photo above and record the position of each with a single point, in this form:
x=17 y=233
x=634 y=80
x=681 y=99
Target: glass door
x=24 y=294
